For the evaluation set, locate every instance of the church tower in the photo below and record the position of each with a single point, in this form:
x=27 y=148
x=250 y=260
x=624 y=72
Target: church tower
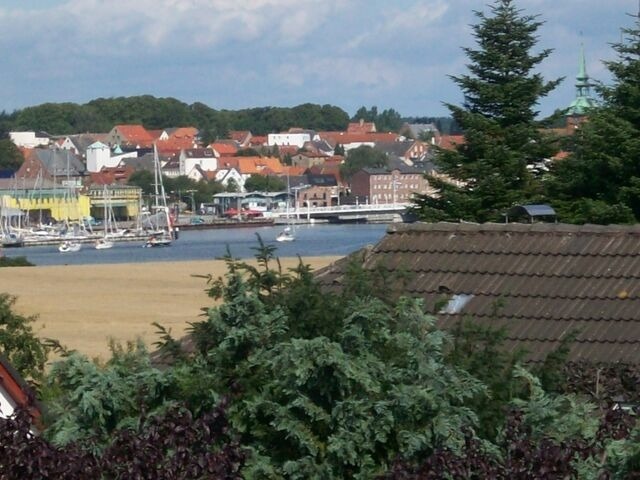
x=578 y=110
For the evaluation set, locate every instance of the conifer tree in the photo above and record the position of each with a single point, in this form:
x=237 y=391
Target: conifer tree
x=492 y=168
x=600 y=181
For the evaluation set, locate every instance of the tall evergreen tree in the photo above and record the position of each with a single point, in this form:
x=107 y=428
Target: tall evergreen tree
x=498 y=117
x=600 y=181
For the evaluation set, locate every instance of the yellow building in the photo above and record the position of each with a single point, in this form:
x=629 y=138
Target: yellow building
x=60 y=203
x=49 y=204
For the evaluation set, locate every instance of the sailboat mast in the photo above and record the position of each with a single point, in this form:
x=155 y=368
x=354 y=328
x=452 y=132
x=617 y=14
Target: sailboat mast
x=156 y=174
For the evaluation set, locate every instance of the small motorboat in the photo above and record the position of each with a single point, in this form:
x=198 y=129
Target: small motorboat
x=286 y=235
x=103 y=244
x=68 y=247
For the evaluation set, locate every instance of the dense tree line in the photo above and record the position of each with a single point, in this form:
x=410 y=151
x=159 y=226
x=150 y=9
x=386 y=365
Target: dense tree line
x=100 y=115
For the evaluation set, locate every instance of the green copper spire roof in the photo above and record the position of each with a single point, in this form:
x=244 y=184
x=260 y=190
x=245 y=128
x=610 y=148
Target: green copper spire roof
x=583 y=101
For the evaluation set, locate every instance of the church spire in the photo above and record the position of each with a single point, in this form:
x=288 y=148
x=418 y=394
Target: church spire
x=583 y=101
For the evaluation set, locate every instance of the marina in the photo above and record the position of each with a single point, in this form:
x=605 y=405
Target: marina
x=312 y=240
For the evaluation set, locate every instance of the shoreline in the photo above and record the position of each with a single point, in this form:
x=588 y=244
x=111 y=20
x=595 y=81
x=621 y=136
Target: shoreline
x=83 y=306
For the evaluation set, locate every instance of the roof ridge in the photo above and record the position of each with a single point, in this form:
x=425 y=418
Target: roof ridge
x=491 y=227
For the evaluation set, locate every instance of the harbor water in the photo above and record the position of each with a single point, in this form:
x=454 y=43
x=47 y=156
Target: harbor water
x=311 y=241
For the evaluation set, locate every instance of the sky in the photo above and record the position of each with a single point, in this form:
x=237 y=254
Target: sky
x=233 y=54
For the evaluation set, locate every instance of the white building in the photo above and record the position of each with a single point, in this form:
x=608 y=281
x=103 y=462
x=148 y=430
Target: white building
x=295 y=138
x=29 y=139
x=231 y=175
x=99 y=156
x=204 y=158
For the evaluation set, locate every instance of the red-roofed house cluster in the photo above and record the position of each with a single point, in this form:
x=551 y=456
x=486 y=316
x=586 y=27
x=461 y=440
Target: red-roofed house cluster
x=111 y=158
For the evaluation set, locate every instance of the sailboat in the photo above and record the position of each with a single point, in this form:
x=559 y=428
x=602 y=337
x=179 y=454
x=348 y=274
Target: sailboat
x=287 y=234
x=161 y=234
x=103 y=243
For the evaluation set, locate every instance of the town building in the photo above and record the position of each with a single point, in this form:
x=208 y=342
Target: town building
x=30 y=139
x=388 y=185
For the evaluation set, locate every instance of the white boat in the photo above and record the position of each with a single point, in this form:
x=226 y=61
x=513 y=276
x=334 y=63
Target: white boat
x=161 y=232
x=69 y=246
x=286 y=235
x=103 y=244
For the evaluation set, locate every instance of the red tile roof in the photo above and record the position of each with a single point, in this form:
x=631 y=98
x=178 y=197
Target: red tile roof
x=252 y=165
x=361 y=127
x=224 y=148
x=190 y=133
x=344 y=138
x=449 y=142
x=258 y=140
x=135 y=134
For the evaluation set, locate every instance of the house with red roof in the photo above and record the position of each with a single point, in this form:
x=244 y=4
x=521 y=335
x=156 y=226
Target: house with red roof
x=258 y=141
x=361 y=127
x=350 y=141
x=224 y=148
x=111 y=175
x=247 y=166
x=131 y=136
x=241 y=137
x=449 y=142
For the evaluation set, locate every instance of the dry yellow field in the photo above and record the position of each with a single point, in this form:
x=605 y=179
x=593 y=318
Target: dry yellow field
x=83 y=306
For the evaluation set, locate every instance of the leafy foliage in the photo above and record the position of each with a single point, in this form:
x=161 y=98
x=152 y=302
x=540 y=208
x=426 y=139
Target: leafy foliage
x=387 y=121
x=502 y=137
x=325 y=386
x=544 y=436
x=15 y=262
x=354 y=383
x=362 y=157
x=10 y=156
x=19 y=343
x=173 y=445
x=89 y=401
x=264 y=183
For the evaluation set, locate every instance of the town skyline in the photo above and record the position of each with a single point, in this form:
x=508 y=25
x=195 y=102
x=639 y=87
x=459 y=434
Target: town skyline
x=281 y=53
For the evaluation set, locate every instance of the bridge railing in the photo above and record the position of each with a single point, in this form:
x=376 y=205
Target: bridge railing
x=337 y=209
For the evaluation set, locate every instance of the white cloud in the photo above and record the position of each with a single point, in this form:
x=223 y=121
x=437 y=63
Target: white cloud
x=419 y=16
x=161 y=24
x=343 y=72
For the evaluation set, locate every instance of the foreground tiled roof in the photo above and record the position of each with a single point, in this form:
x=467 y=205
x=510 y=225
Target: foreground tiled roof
x=541 y=281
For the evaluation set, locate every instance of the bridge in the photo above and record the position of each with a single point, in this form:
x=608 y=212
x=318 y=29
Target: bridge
x=363 y=212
